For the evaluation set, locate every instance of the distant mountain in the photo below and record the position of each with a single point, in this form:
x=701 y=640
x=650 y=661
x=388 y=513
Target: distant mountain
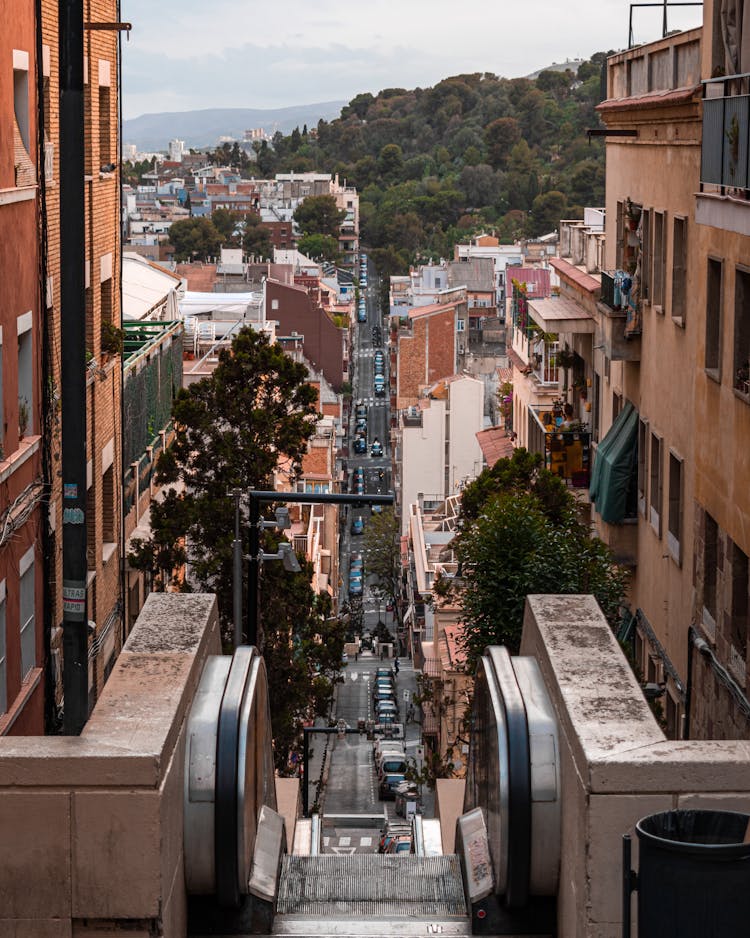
x=569 y=65
x=203 y=128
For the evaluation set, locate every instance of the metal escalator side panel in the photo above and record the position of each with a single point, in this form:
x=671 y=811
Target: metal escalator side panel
x=519 y=779
x=487 y=785
x=228 y=886
x=255 y=772
x=200 y=777
x=544 y=752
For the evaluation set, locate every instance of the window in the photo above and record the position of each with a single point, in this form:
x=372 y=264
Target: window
x=742 y=331
x=738 y=626
x=616 y=405
x=646 y=255
x=105 y=127
x=25 y=375
x=619 y=229
x=714 y=303
x=679 y=269
x=655 y=491
x=107 y=305
x=596 y=419
x=674 y=514
x=28 y=632
x=642 y=463
x=461 y=325
x=658 y=260
x=3 y=654
x=25 y=173
x=710 y=559
x=108 y=506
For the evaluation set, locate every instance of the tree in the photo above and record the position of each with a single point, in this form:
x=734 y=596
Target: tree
x=500 y=137
x=390 y=160
x=547 y=210
x=225 y=222
x=194 y=239
x=255 y=237
x=256 y=412
x=233 y=429
x=319 y=214
x=521 y=535
x=319 y=247
x=383 y=557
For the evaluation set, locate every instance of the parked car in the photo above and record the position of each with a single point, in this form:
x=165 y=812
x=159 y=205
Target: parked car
x=361 y=315
x=358 y=525
x=379 y=386
x=387 y=787
x=360 y=445
x=361 y=411
x=377 y=448
x=355 y=586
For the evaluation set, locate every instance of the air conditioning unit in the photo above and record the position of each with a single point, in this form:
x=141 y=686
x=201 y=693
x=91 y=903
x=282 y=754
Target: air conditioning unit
x=461 y=349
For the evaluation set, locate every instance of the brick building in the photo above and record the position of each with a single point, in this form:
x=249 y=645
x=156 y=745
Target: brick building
x=427 y=349
x=102 y=303
x=22 y=652
x=325 y=344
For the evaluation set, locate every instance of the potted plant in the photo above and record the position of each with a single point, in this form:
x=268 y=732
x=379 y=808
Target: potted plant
x=112 y=339
x=24 y=413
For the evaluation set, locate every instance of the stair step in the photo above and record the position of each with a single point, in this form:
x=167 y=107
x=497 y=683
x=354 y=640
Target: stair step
x=367 y=886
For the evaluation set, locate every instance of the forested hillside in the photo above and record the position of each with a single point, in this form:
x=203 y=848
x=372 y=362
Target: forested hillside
x=475 y=151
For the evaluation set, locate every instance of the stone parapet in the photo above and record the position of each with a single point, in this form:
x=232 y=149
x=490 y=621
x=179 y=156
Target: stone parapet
x=93 y=825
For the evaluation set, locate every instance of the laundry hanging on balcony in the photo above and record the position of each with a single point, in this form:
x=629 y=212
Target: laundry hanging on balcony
x=615 y=467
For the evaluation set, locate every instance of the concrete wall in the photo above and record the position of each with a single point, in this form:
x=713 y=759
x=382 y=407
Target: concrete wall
x=465 y=459
x=616 y=764
x=92 y=827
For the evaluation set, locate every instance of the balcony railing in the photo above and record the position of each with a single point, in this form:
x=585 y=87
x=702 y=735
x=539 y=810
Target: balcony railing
x=725 y=154
x=566 y=452
x=618 y=294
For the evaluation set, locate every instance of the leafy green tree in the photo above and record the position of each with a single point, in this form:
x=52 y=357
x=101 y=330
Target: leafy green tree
x=194 y=239
x=500 y=137
x=391 y=160
x=225 y=222
x=319 y=247
x=319 y=214
x=383 y=557
x=521 y=535
x=233 y=430
x=256 y=240
x=547 y=210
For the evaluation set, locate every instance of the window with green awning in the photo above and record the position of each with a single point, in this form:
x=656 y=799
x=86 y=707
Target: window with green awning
x=614 y=477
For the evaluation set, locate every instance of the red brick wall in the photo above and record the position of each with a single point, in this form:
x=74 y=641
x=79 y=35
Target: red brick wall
x=426 y=356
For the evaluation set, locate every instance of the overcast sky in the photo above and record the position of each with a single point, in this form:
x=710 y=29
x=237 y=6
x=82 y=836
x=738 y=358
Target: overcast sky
x=188 y=55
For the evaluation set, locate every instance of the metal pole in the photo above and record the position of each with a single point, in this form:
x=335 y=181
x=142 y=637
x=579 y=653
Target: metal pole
x=237 y=573
x=253 y=572
x=73 y=367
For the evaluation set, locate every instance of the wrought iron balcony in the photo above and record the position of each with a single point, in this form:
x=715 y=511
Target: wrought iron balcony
x=566 y=451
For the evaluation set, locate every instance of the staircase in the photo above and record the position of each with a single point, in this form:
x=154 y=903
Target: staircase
x=371 y=895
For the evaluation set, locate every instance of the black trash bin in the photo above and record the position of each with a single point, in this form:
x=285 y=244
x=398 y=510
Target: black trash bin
x=693 y=875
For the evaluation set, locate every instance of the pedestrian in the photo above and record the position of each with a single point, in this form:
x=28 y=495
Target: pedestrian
x=395 y=665
x=382 y=653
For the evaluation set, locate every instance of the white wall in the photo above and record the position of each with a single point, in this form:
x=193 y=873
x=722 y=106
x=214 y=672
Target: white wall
x=466 y=420
x=423 y=459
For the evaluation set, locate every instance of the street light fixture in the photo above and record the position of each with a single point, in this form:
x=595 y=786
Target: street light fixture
x=286 y=555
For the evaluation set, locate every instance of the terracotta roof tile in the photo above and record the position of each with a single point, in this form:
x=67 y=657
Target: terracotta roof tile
x=495 y=444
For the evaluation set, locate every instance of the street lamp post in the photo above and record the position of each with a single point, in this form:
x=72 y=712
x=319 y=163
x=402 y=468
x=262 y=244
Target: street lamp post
x=257 y=498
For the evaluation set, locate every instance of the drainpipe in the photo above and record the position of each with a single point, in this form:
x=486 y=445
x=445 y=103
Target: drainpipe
x=73 y=370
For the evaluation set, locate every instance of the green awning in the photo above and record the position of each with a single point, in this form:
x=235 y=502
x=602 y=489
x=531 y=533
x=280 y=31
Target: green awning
x=615 y=466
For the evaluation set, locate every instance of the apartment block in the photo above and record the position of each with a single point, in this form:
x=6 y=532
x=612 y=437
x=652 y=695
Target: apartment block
x=22 y=448
x=657 y=327
x=103 y=320
x=425 y=344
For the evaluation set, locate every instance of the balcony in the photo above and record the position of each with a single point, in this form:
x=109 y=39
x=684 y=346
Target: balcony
x=724 y=198
x=621 y=319
x=566 y=452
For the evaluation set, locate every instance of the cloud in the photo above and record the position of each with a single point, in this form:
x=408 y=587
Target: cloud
x=231 y=53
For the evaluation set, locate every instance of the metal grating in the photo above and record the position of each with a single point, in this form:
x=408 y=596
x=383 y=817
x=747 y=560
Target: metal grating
x=369 y=885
